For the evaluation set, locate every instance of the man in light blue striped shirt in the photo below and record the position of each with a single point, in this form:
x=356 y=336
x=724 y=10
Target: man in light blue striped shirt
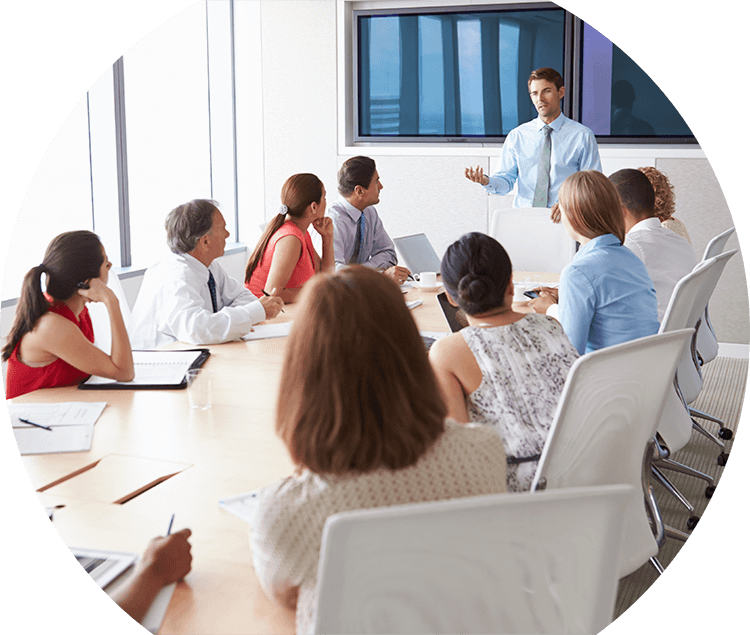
x=573 y=147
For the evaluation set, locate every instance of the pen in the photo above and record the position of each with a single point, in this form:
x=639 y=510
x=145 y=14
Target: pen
x=38 y=425
x=269 y=295
x=169 y=529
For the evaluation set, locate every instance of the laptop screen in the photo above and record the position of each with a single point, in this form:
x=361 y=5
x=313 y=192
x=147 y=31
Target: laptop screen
x=455 y=317
x=417 y=254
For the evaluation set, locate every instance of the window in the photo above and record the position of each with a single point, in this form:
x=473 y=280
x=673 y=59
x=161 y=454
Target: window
x=58 y=200
x=448 y=73
x=167 y=127
x=437 y=74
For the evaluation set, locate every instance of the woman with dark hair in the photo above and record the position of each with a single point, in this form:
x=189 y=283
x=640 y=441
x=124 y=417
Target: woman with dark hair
x=606 y=296
x=51 y=341
x=506 y=369
x=361 y=416
x=285 y=258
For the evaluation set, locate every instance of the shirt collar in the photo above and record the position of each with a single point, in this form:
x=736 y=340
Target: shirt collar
x=352 y=211
x=599 y=241
x=646 y=224
x=555 y=125
x=195 y=264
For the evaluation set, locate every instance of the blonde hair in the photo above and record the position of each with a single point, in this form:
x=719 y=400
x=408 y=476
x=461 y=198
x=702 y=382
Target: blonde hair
x=592 y=205
x=358 y=392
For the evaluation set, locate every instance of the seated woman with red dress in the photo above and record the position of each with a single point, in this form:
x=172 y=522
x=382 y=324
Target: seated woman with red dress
x=51 y=341
x=285 y=258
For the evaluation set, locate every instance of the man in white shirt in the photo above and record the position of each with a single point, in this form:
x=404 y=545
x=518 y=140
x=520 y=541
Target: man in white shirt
x=190 y=297
x=668 y=257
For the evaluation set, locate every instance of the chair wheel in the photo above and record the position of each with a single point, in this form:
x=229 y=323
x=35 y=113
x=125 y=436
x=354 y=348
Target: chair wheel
x=710 y=491
x=722 y=458
x=726 y=434
x=692 y=522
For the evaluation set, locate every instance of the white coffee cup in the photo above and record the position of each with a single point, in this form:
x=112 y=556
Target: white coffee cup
x=428 y=279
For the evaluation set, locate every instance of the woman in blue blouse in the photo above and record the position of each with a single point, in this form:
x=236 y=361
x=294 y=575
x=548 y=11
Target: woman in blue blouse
x=606 y=296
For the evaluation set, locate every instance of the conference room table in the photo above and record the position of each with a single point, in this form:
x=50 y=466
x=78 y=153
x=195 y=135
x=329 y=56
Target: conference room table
x=152 y=456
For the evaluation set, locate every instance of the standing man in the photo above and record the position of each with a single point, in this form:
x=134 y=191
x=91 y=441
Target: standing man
x=190 y=297
x=358 y=234
x=542 y=153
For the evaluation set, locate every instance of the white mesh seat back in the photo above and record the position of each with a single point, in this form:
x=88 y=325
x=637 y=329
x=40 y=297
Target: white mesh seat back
x=532 y=240
x=688 y=373
x=706 y=342
x=504 y=563
x=607 y=415
x=716 y=245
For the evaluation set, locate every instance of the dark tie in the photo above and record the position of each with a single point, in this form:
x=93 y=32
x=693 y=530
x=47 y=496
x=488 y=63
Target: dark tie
x=541 y=192
x=358 y=239
x=212 y=289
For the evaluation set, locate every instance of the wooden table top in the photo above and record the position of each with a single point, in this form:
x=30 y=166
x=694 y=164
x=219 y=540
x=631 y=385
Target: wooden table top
x=151 y=450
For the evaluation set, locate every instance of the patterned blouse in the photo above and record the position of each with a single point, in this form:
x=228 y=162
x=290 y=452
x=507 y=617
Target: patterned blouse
x=524 y=366
x=464 y=461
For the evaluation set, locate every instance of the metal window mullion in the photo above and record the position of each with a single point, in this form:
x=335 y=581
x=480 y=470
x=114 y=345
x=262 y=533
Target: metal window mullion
x=121 y=148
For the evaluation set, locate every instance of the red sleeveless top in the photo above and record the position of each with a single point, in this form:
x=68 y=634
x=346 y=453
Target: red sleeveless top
x=21 y=379
x=303 y=270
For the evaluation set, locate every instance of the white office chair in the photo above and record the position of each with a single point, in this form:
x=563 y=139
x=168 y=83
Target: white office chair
x=603 y=432
x=689 y=375
x=706 y=343
x=686 y=306
x=504 y=563
x=100 y=317
x=532 y=240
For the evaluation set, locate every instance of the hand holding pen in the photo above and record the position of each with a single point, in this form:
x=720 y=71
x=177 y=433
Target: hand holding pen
x=272 y=304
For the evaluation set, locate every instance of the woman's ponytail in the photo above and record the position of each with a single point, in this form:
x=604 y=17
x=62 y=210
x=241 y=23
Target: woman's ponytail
x=31 y=306
x=71 y=258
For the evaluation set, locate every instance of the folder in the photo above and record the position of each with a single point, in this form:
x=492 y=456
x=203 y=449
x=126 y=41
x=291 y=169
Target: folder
x=154 y=370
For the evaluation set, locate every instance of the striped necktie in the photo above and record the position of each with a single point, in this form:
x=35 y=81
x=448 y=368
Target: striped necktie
x=359 y=239
x=212 y=289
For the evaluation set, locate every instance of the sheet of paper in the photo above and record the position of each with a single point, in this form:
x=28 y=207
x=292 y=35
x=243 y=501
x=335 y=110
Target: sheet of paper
x=62 y=438
x=243 y=506
x=72 y=426
x=268 y=331
x=156 y=368
x=413 y=304
x=158 y=609
x=72 y=413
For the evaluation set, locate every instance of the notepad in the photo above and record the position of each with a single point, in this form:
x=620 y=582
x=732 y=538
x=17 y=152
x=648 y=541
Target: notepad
x=268 y=331
x=72 y=426
x=154 y=370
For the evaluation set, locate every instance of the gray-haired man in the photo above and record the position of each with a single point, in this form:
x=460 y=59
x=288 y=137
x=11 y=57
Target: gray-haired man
x=190 y=297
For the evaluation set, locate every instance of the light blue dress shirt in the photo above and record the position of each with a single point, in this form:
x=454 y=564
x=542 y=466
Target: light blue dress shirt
x=606 y=296
x=377 y=250
x=573 y=149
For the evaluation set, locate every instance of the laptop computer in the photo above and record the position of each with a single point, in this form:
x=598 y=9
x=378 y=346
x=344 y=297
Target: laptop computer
x=103 y=566
x=416 y=253
x=455 y=317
